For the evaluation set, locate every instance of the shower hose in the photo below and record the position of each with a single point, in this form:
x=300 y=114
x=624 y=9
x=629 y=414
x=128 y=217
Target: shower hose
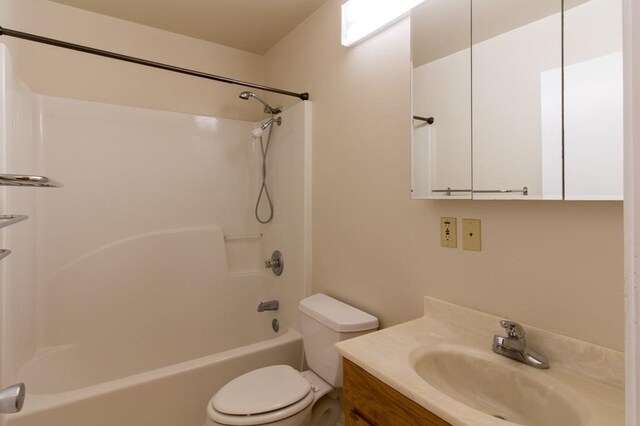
x=264 y=190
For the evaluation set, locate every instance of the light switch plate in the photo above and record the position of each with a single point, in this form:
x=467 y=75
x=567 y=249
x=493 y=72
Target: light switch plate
x=448 y=232
x=471 y=234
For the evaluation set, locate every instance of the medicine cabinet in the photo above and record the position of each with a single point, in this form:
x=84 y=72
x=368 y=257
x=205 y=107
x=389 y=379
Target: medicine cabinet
x=517 y=99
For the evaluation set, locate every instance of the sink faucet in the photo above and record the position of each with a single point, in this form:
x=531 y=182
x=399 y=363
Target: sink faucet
x=514 y=346
x=271 y=305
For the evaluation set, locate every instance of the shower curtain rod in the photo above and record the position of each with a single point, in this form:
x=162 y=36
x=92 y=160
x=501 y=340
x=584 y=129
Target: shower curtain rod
x=125 y=58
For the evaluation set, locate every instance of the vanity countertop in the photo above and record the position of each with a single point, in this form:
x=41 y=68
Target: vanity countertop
x=591 y=377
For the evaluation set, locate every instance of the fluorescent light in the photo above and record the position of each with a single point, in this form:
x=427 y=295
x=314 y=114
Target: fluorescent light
x=362 y=18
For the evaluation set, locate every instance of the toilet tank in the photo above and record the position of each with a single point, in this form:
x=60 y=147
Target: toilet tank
x=326 y=321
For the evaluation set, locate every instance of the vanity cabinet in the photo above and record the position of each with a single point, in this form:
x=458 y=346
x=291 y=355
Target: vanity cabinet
x=369 y=401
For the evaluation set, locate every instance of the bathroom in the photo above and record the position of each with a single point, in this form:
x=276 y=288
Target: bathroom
x=344 y=219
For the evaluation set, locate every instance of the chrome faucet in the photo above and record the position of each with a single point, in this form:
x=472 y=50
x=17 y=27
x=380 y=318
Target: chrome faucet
x=514 y=346
x=271 y=305
x=12 y=398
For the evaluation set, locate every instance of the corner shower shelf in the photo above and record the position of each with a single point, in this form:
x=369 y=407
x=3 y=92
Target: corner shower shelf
x=27 y=180
x=10 y=219
x=4 y=253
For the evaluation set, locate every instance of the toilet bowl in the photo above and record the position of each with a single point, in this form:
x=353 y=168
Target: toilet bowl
x=275 y=395
x=279 y=395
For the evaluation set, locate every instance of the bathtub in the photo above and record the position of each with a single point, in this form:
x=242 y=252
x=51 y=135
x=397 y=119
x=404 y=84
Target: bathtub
x=175 y=395
x=138 y=333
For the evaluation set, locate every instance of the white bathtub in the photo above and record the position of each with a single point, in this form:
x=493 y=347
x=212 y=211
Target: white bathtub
x=175 y=395
x=145 y=330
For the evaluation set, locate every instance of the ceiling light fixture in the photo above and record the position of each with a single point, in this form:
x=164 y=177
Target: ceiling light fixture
x=362 y=18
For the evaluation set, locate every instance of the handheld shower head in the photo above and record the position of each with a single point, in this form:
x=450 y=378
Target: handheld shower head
x=267 y=108
x=264 y=147
x=258 y=131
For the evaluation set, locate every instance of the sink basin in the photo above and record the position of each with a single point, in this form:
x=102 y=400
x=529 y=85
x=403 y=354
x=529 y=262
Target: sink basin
x=498 y=386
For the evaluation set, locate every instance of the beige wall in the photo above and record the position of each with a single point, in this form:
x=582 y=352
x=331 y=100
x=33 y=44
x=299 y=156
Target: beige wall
x=556 y=265
x=57 y=72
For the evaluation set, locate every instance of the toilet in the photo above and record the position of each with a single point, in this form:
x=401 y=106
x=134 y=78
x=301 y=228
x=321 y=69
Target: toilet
x=282 y=396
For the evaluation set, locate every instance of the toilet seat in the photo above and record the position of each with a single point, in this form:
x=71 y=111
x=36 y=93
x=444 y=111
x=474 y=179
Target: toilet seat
x=262 y=396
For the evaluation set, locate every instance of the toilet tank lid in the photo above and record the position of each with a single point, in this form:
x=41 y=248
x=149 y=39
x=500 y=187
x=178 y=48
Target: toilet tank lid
x=337 y=315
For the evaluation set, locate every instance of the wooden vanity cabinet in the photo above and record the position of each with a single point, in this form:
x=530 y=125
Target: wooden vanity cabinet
x=369 y=401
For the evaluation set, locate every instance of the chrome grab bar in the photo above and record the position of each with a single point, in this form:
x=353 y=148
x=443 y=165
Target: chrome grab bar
x=28 y=180
x=449 y=191
x=10 y=219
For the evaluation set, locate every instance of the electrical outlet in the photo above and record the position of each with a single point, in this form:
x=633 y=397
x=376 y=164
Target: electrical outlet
x=471 y=234
x=448 y=232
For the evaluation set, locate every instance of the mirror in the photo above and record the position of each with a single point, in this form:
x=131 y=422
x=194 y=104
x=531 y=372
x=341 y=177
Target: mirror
x=491 y=75
x=516 y=108
x=441 y=64
x=593 y=100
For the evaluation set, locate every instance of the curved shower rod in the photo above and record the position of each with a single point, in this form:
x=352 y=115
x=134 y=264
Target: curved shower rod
x=85 y=49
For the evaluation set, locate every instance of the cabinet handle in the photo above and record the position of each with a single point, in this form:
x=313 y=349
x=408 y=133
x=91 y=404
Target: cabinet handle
x=358 y=419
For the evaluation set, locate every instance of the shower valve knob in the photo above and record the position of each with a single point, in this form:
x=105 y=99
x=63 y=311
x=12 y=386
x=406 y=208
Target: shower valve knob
x=276 y=263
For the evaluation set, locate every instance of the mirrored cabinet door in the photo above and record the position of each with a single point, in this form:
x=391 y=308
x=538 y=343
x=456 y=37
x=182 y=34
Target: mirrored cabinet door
x=517 y=99
x=441 y=97
x=593 y=136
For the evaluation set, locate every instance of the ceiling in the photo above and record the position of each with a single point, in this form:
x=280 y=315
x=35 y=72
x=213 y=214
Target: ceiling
x=251 y=25
x=442 y=27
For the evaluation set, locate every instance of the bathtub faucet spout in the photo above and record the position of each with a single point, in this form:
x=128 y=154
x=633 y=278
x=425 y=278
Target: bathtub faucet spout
x=271 y=305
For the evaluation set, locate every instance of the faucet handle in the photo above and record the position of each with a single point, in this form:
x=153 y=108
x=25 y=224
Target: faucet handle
x=275 y=263
x=514 y=330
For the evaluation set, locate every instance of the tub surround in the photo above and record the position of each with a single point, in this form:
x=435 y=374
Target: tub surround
x=144 y=303
x=593 y=375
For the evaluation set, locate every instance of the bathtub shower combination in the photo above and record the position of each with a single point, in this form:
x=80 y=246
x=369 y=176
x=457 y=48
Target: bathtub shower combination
x=130 y=295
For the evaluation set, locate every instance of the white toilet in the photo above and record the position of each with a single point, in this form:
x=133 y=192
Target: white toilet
x=281 y=396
